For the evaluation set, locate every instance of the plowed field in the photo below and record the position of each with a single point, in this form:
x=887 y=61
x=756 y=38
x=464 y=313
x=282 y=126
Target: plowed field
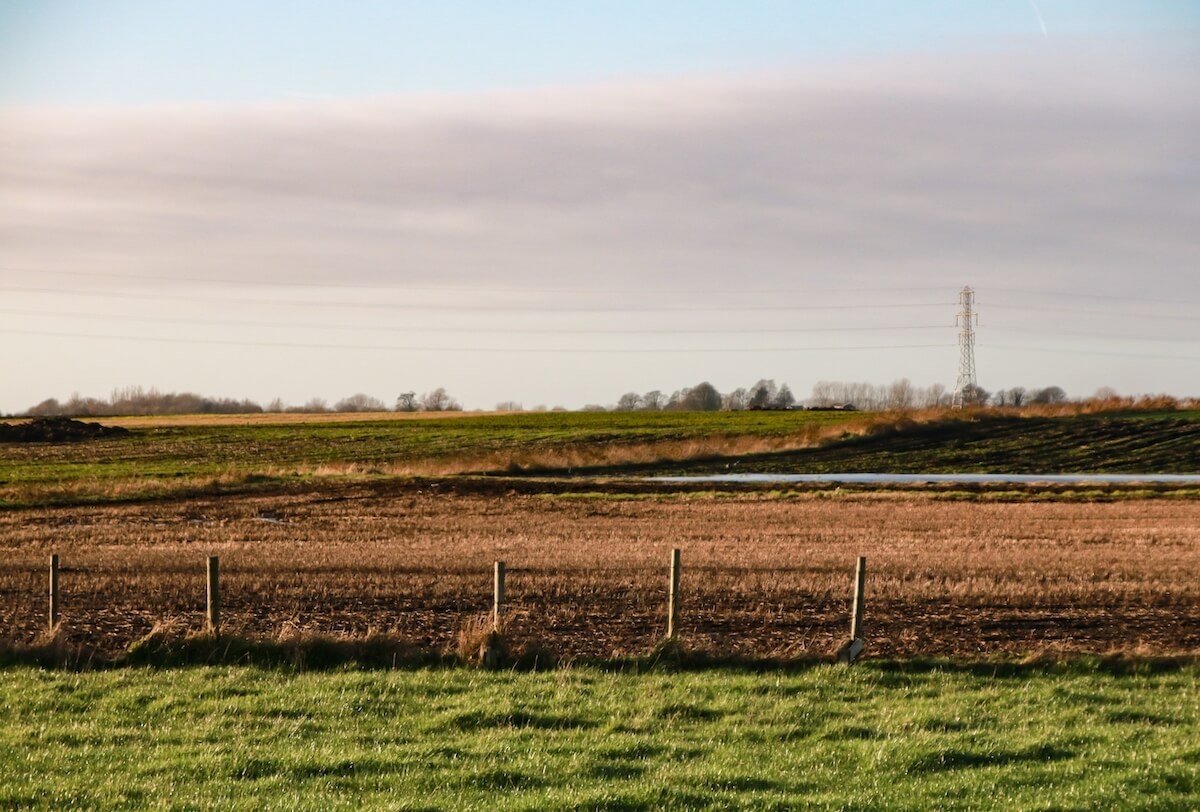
x=588 y=576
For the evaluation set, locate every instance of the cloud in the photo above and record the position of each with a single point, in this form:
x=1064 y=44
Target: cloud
x=1063 y=166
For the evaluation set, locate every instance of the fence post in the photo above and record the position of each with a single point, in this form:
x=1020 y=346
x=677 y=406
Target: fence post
x=852 y=648
x=214 y=596
x=53 y=591
x=498 y=596
x=673 y=596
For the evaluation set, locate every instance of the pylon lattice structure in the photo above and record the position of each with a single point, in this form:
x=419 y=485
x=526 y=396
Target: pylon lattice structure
x=966 y=389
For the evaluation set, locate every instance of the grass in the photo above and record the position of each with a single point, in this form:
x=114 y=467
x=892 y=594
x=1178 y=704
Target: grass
x=876 y=736
x=188 y=458
x=183 y=457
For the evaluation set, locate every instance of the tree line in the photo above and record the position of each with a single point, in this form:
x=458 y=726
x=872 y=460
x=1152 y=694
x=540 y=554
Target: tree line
x=764 y=395
x=135 y=400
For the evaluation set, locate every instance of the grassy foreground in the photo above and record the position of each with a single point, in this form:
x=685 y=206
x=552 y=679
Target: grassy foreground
x=875 y=736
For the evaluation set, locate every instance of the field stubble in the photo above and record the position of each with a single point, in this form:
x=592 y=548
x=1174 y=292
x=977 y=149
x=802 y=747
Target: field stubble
x=588 y=577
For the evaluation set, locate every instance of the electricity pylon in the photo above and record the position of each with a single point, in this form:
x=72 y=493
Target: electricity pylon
x=966 y=390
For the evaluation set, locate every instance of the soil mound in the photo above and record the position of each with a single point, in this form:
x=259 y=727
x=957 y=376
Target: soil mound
x=55 y=430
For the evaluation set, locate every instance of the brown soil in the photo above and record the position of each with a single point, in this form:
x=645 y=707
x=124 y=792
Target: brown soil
x=588 y=577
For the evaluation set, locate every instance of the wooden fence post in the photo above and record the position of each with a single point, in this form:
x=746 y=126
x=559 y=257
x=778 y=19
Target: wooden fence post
x=54 y=614
x=673 y=596
x=498 y=596
x=852 y=648
x=214 y=596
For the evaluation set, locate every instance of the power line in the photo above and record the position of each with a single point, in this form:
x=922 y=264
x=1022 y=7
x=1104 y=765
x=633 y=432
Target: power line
x=413 y=348
x=469 y=308
x=444 y=329
x=243 y=282
x=1039 y=331
x=1105 y=313
x=1095 y=352
x=1071 y=294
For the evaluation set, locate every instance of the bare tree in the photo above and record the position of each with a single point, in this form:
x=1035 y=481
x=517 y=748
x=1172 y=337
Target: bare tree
x=900 y=394
x=823 y=395
x=439 y=401
x=735 y=401
x=629 y=402
x=509 y=406
x=934 y=395
x=407 y=402
x=360 y=403
x=653 y=401
x=784 y=399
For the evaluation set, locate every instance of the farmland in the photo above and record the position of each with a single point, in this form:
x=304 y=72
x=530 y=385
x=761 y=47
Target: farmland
x=1027 y=647
x=197 y=456
x=766 y=574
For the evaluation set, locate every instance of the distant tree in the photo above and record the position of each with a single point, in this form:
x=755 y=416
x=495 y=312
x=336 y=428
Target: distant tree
x=628 y=402
x=593 y=407
x=407 y=402
x=653 y=401
x=1049 y=395
x=934 y=395
x=1106 y=393
x=823 y=395
x=276 y=405
x=50 y=407
x=360 y=402
x=509 y=406
x=439 y=401
x=762 y=394
x=703 y=397
x=784 y=399
x=975 y=395
x=900 y=394
x=735 y=401
x=315 y=405
x=1017 y=396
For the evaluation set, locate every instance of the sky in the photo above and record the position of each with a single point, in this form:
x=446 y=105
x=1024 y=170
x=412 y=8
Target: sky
x=558 y=202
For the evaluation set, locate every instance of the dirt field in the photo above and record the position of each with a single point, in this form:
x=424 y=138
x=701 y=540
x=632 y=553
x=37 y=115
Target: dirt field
x=588 y=577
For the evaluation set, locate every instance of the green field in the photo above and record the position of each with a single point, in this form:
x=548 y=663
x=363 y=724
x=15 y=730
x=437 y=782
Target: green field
x=187 y=457
x=197 y=458
x=876 y=736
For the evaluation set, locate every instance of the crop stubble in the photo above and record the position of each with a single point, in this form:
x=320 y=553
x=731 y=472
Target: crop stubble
x=587 y=577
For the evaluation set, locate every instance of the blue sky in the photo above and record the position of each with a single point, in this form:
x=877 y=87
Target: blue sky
x=130 y=51
x=559 y=202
